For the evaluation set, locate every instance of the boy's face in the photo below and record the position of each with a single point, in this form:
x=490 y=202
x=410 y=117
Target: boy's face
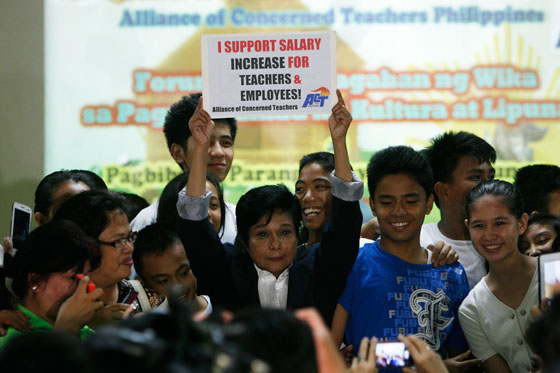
x=220 y=151
x=468 y=174
x=172 y=267
x=400 y=205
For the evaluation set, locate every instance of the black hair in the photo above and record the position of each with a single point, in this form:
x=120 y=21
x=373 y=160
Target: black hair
x=325 y=159
x=94 y=181
x=396 y=160
x=133 y=204
x=507 y=192
x=550 y=220
x=154 y=239
x=55 y=247
x=447 y=149
x=167 y=207
x=278 y=338
x=536 y=182
x=176 y=125
x=264 y=201
x=48 y=186
x=91 y=211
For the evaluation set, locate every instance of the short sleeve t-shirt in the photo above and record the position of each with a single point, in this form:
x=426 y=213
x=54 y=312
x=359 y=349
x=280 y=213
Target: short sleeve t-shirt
x=471 y=260
x=386 y=296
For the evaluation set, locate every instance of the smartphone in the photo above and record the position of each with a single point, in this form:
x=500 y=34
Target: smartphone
x=392 y=354
x=130 y=298
x=549 y=274
x=21 y=223
x=90 y=284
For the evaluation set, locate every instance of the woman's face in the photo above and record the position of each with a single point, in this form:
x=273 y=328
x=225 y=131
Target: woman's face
x=49 y=294
x=273 y=246
x=115 y=263
x=214 y=209
x=537 y=239
x=313 y=190
x=494 y=229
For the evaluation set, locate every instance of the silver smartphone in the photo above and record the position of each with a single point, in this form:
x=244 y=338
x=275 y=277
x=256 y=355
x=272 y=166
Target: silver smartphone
x=21 y=223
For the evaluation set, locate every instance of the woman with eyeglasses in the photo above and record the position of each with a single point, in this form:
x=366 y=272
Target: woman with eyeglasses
x=101 y=215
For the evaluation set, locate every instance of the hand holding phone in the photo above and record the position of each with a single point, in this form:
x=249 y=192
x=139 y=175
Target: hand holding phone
x=392 y=355
x=426 y=360
x=549 y=275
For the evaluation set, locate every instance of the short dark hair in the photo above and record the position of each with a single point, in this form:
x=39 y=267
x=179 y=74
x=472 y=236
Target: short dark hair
x=264 y=201
x=396 y=160
x=278 y=338
x=536 y=182
x=176 y=125
x=507 y=192
x=167 y=207
x=49 y=184
x=154 y=239
x=325 y=159
x=91 y=210
x=448 y=148
x=133 y=204
x=94 y=181
x=54 y=247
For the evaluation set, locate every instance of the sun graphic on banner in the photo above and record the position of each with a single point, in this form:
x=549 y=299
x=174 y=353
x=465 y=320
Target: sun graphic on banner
x=525 y=140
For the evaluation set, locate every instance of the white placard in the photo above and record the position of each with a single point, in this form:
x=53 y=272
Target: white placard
x=268 y=73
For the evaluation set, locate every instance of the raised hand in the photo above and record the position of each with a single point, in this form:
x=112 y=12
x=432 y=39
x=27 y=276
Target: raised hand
x=78 y=310
x=340 y=119
x=201 y=125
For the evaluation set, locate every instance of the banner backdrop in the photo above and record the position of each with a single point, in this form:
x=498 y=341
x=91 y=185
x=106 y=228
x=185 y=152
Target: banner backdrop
x=408 y=70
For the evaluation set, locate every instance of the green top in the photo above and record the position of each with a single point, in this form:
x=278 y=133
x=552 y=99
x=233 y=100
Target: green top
x=38 y=325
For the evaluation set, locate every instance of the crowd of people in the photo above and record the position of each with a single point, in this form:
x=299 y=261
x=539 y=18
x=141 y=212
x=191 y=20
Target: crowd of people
x=285 y=282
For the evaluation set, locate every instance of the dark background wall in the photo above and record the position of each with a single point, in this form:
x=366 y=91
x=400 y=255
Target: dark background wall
x=21 y=104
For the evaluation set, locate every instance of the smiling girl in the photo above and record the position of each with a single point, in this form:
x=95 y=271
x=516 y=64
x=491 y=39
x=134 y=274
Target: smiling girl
x=495 y=314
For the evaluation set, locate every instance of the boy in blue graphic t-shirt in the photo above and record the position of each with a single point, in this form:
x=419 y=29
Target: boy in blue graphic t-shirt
x=391 y=290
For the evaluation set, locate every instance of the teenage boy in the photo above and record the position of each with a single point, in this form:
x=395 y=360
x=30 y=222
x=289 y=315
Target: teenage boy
x=161 y=262
x=180 y=143
x=539 y=185
x=391 y=290
x=459 y=161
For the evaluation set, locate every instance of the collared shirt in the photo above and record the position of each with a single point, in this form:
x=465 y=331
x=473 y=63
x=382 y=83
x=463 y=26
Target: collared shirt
x=492 y=327
x=273 y=292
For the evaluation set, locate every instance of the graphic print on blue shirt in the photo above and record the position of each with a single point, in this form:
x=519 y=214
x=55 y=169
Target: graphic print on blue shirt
x=386 y=296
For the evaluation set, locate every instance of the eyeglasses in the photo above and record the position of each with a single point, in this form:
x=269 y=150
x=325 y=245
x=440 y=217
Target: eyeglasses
x=121 y=242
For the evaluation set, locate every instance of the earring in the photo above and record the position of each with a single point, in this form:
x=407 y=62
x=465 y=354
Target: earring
x=34 y=288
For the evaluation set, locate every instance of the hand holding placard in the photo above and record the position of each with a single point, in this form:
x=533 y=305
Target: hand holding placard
x=201 y=125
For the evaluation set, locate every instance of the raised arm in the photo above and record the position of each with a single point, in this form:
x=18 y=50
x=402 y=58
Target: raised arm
x=339 y=122
x=208 y=256
x=201 y=126
x=340 y=242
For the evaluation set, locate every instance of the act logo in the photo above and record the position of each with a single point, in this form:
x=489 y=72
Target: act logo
x=317 y=99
